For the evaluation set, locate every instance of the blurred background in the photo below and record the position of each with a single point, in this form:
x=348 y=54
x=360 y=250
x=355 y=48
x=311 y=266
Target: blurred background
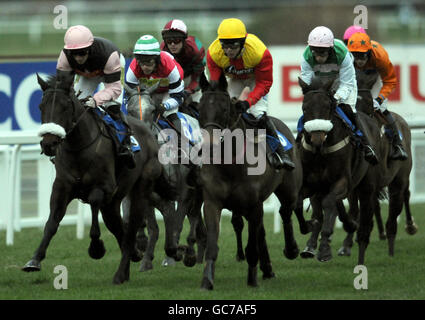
x=27 y=27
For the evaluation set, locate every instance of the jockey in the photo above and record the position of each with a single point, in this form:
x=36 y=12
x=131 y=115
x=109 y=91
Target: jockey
x=246 y=62
x=329 y=59
x=95 y=60
x=150 y=66
x=189 y=53
x=350 y=31
x=370 y=55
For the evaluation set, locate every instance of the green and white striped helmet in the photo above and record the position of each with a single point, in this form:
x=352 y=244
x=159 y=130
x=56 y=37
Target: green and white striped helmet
x=147 y=45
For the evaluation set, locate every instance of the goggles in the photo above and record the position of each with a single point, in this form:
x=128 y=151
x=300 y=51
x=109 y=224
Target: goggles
x=80 y=52
x=360 y=55
x=169 y=41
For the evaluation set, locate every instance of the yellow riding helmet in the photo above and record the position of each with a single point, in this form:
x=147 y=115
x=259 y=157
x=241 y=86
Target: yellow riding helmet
x=231 y=29
x=359 y=42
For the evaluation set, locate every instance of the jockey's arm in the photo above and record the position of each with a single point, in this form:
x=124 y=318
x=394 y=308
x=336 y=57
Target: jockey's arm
x=198 y=68
x=386 y=71
x=213 y=68
x=263 y=79
x=175 y=90
x=307 y=72
x=112 y=75
x=347 y=78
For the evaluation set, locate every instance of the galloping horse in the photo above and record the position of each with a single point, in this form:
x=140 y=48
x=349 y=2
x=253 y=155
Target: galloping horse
x=140 y=105
x=395 y=174
x=334 y=168
x=86 y=169
x=230 y=185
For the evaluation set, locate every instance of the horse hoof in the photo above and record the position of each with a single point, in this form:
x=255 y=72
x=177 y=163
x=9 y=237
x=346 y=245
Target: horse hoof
x=146 y=265
x=31 y=266
x=382 y=236
x=240 y=257
x=291 y=254
x=268 y=275
x=308 y=253
x=411 y=229
x=189 y=260
x=168 y=261
x=207 y=284
x=344 y=252
x=325 y=257
x=119 y=278
x=97 y=249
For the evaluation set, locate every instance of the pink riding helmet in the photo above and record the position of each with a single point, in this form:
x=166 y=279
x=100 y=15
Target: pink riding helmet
x=78 y=37
x=352 y=30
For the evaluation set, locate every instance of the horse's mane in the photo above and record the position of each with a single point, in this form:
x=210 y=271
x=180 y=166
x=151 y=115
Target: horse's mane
x=62 y=80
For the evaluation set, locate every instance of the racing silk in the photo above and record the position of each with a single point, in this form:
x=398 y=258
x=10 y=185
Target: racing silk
x=168 y=73
x=339 y=67
x=192 y=59
x=104 y=61
x=255 y=61
x=380 y=62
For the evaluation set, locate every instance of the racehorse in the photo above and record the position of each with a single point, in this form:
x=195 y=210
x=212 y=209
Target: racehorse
x=230 y=185
x=140 y=105
x=86 y=169
x=395 y=174
x=334 y=168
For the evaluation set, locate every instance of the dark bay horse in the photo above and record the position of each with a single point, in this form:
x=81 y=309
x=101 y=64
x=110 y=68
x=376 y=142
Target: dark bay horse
x=231 y=184
x=189 y=194
x=87 y=169
x=395 y=174
x=334 y=168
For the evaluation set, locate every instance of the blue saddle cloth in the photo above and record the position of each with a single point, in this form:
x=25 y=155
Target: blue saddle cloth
x=272 y=142
x=187 y=129
x=120 y=129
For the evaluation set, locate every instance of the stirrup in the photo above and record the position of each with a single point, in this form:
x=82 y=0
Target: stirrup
x=369 y=155
x=398 y=153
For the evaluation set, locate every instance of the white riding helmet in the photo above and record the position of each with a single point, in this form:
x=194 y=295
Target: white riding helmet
x=321 y=37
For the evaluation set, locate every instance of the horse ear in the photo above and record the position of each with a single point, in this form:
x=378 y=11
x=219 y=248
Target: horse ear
x=203 y=82
x=304 y=86
x=128 y=91
x=43 y=84
x=223 y=82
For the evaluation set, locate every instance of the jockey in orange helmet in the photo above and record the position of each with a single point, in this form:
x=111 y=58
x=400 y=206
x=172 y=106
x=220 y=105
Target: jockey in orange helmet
x=370 y=55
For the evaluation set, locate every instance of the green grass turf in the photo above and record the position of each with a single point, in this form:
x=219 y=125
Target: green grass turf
x=399 y=277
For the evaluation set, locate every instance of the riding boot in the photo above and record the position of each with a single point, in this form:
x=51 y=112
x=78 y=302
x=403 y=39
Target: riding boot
x=280 y=158
x=177 y=125
x=124 y=153
x=397 y=150
x=369 y=153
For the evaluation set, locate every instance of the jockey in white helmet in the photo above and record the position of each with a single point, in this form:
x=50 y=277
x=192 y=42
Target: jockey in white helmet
x=329 y=59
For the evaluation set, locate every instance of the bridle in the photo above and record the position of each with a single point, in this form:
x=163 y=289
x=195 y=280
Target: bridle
x=228 y=125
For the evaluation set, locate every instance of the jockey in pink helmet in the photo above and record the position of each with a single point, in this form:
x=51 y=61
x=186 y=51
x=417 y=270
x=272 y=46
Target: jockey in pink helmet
x=96 y=60
x=350 y=31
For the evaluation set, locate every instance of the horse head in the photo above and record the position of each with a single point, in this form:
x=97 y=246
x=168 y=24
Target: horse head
x=365 y=82
x=58 y=108
x=216 y=109
x=318 y=108
x=139 y=99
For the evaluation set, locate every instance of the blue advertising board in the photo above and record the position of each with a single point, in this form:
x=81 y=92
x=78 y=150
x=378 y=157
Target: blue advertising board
x=20 y=93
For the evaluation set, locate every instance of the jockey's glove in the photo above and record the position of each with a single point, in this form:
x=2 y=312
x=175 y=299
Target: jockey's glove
x=377 y=104
x=338 y=98
x=241 y=106
x=90 y=102
x=161 y=108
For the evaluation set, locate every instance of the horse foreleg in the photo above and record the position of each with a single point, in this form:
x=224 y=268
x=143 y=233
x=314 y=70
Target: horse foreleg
x=59 y=201
x=395 y=207
x=310 y=249
x=411 y=227
x=212 y=214
x=238 y=224
x=366 y=222
x=265 y=262
x=255 y=220
x=153 y=231
x=378 y=218
x=96 y=248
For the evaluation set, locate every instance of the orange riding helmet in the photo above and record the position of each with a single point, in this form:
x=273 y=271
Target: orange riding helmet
x=359 y=42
